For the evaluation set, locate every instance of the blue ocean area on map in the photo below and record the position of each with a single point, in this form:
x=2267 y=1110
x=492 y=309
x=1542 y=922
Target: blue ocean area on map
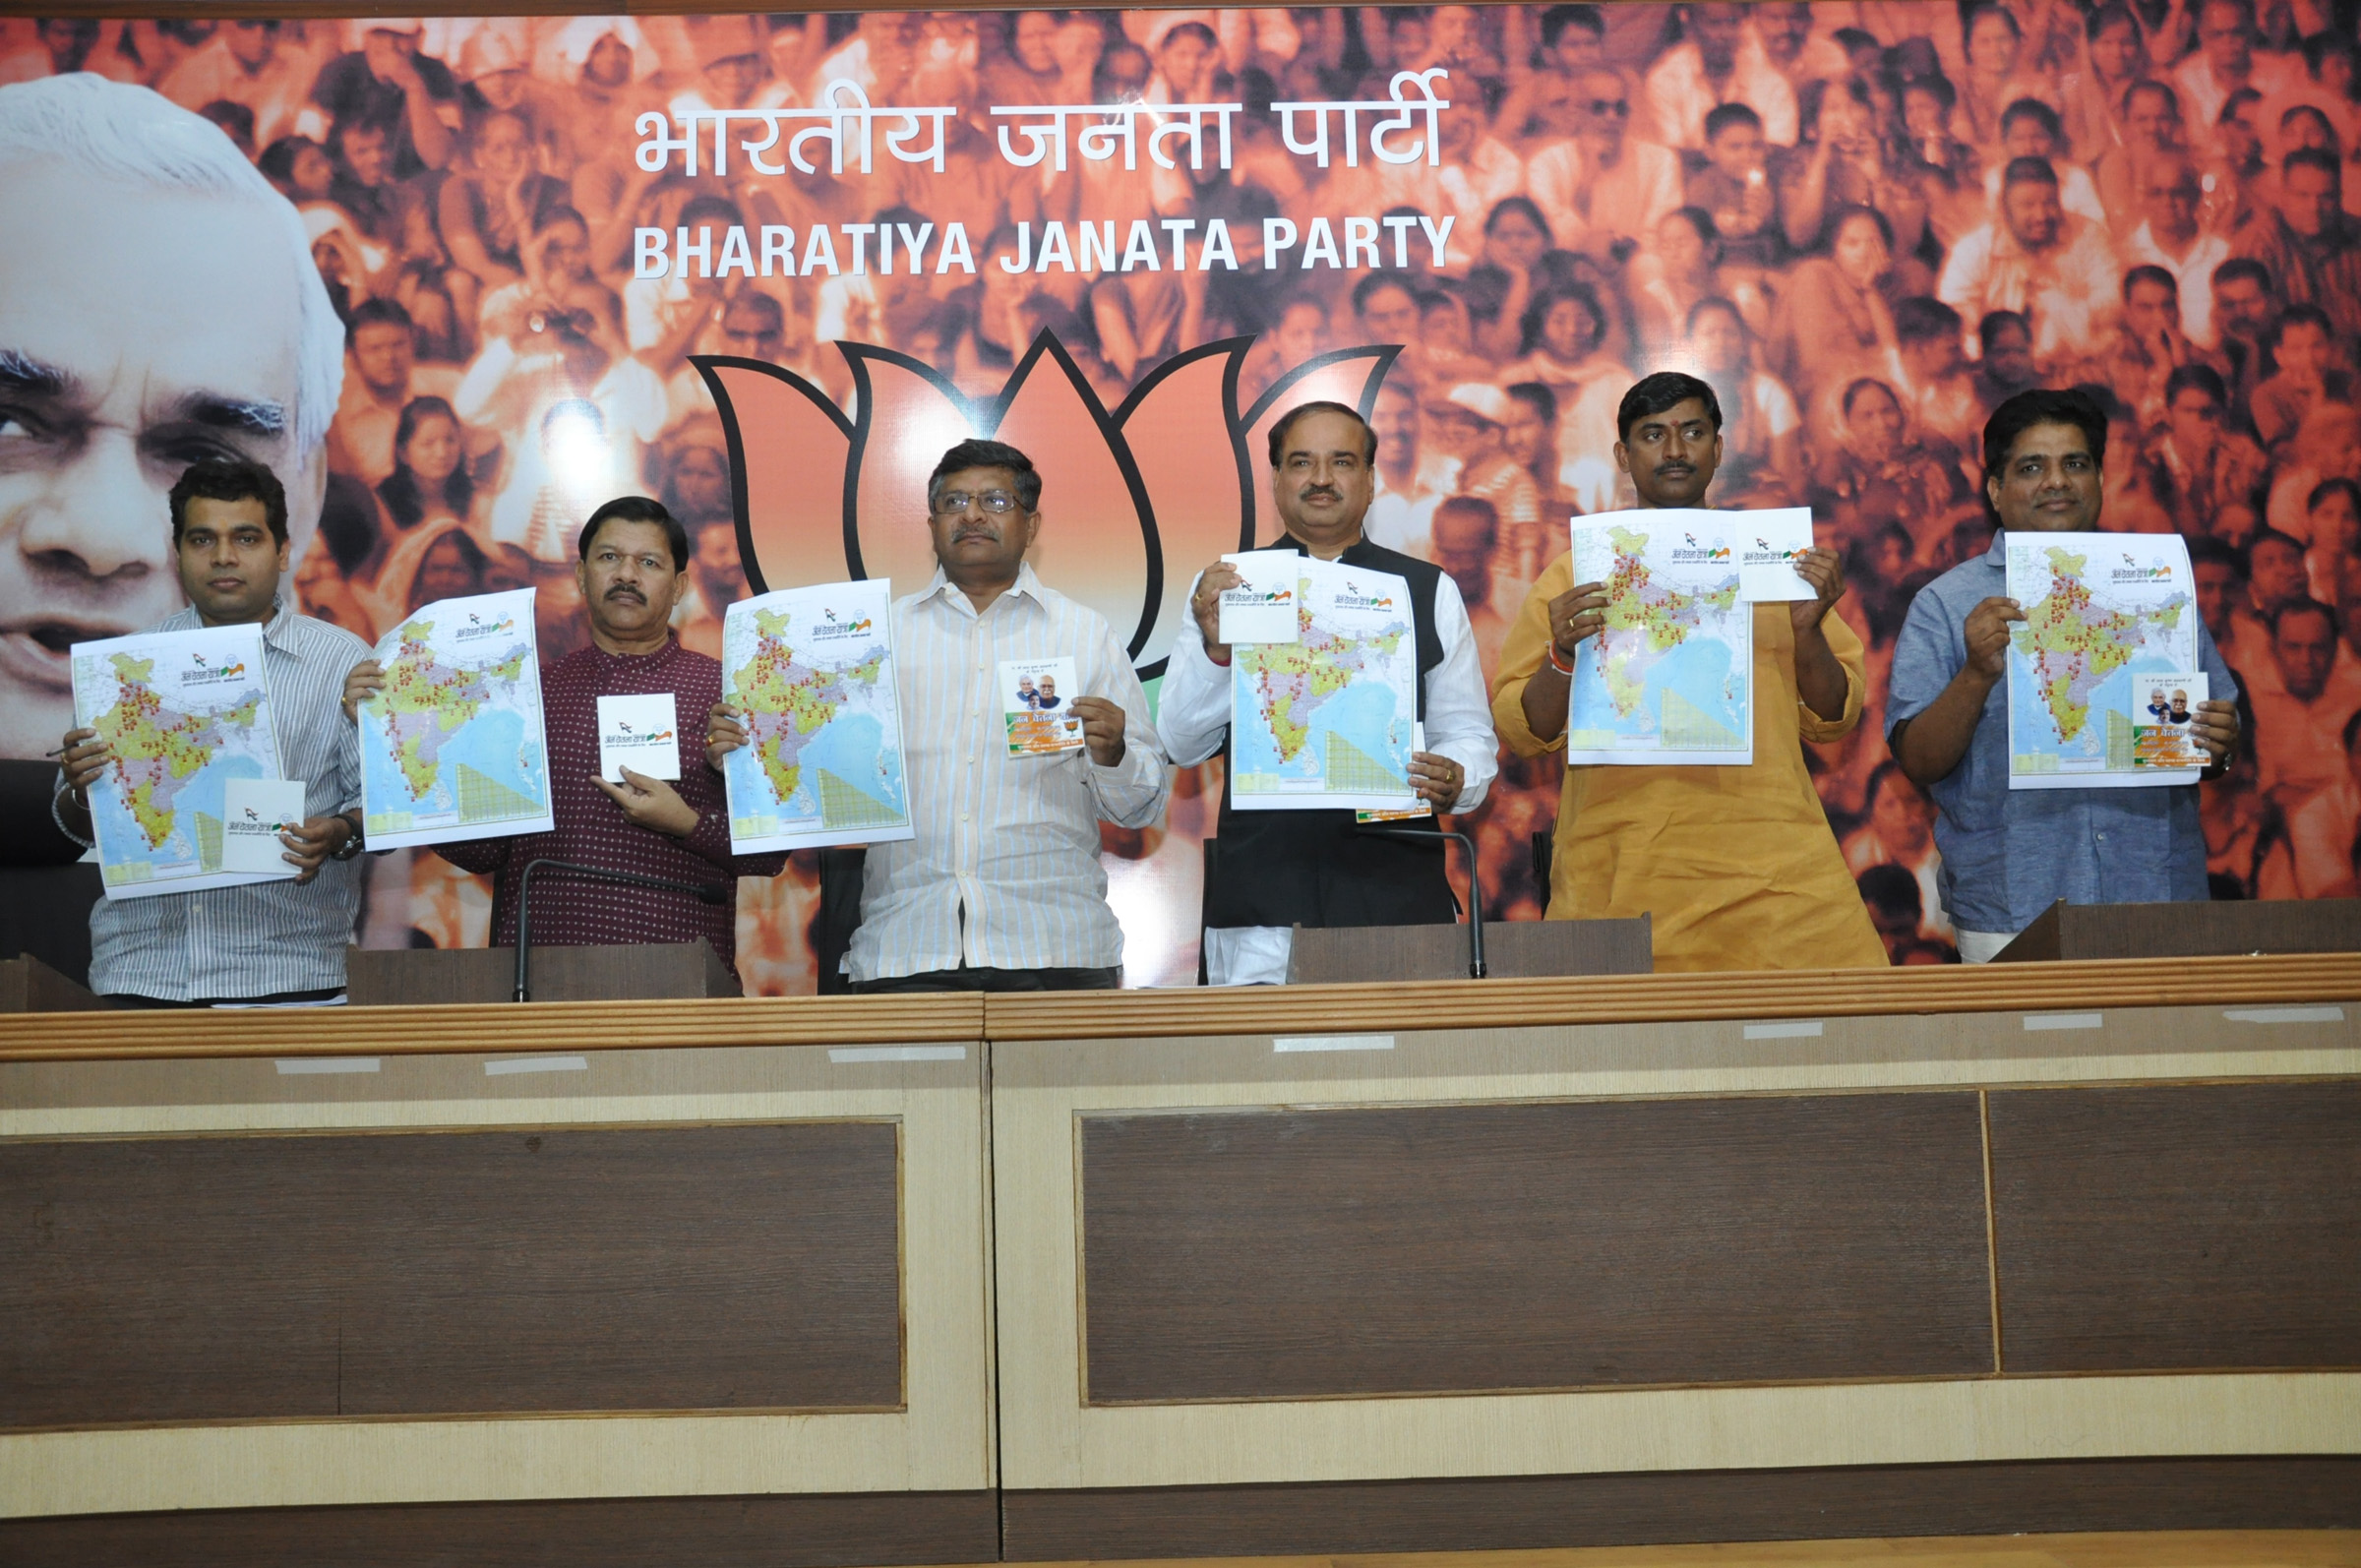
x=1698 y=670
x=2036 y=730
x=851 y=746
x=201 y=797
x=1362 y=715
x=493 y=744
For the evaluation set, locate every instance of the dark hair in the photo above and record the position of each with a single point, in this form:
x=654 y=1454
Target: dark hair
x=1654 y=395
x=1713 y=302
x=2150 y=274
x=2313 y=158
x=2306 y=605
x=1921 y=319
x=2037 y=111
x=1286 y=423
x=1834 y=225
x=638 y=509
x=2043 y=406
x=2236 y=102
x=1367 y=290
x=1863 y=384
x=2329 y=486
x=400 y=491
x=2204 y=378
x=1894 y=888
x=2028 y=171
x=1977 y=12
x=1997 y=322
x=1196 y=30
x=1545 y=300
x=988 y=455
x=1557 y=19
x=2246 y=267
x=1537 y=396
x=236 y=120
x=471 y=553
x=378 y=312
x=1474 y=507
x=277 y=161
x=2304 y=315
x=1934 y=87
x=1525 y=205
x=1722 y=116
x=1701 y=223
x=229 y=479
x=2263 y=536
x=2162 y=89
x=2205 y=549
x=2106 y=15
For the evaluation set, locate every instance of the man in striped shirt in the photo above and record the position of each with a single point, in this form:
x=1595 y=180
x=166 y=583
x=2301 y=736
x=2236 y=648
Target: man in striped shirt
x=1001 y=888
x=278 y=941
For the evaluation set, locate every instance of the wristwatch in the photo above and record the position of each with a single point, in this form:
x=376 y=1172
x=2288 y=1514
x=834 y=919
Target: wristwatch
x=352 y=846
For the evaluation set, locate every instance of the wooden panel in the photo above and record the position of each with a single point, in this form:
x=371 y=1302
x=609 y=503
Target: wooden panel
x=229 y=1278
x=1511 y=948
x=838 y=1532
x=2201 y=1225
x=1669 y=998
x=1287 y=1254
x=2183 y=930
x=1731 y=1505
x=26 y=985
x=574 y=1026
x=625 y=972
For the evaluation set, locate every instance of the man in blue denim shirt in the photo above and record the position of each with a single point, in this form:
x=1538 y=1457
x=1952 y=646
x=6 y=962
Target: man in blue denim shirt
x=2008 y=855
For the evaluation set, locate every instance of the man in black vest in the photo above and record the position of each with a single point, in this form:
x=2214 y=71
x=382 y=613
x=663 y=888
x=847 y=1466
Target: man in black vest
x=1270 y=871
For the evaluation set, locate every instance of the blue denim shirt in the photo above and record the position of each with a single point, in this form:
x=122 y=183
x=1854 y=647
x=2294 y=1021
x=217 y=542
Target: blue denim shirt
x=2009 y=854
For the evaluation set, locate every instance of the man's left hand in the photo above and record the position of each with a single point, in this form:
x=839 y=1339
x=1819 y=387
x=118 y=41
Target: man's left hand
x=1437 y=779
x=1823 y=569
x=2215 y=726
x=723 y=734
x=1102 y=728
x=310 y=842
x=652 y=803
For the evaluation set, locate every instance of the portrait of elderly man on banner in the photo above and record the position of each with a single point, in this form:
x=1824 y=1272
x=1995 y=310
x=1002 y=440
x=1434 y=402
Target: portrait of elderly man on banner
x=458 y=281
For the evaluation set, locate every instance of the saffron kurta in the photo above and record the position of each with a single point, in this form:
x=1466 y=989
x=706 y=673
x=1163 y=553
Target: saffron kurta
x=1736 y=864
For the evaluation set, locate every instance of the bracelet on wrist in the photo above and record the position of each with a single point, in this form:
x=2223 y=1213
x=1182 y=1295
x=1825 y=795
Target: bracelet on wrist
x=1562 y=669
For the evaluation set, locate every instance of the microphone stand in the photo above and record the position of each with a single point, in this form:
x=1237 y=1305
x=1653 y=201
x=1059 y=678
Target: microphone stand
x=703 y=892
x=1476 y=964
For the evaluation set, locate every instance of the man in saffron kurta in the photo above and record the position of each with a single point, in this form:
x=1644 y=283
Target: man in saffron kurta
x=1736 y=864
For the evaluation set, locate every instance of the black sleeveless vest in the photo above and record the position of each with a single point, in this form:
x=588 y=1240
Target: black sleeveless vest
x=1314 y=868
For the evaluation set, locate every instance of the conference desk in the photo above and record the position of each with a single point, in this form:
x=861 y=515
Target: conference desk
x=1320 y=1270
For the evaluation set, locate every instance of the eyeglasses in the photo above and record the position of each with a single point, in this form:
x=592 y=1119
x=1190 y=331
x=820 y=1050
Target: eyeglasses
x=1620 y=107
x=952 y=502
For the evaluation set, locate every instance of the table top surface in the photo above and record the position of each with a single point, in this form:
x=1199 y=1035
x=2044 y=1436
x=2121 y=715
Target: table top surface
x=1184 y=1013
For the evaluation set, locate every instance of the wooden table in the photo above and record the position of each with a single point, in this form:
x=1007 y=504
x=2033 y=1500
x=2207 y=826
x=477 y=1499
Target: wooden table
x=1332 y=1268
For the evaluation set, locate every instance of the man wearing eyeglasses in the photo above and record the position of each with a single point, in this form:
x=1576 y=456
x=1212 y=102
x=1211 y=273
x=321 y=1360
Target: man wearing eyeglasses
x=1603 y=191
x=1001 y=888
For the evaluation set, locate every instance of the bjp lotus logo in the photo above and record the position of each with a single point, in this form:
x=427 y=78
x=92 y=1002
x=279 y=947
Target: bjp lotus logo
x=1134 y=501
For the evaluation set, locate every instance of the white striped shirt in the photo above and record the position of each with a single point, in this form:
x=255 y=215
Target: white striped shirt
x=262 y=939
x=1004 y=871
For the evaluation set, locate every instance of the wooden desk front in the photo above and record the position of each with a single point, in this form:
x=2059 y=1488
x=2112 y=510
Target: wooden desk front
x=1644 y=1258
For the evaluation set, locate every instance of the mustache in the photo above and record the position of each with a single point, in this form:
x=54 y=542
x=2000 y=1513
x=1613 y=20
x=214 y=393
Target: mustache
x=977 y=531
x=1323 y=491
x=623 y=590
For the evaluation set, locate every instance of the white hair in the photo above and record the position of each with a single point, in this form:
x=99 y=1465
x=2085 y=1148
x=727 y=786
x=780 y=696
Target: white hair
x=109 y=130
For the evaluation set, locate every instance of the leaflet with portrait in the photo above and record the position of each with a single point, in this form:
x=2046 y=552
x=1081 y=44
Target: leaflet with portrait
x=2109 y=619
x=1037 y=707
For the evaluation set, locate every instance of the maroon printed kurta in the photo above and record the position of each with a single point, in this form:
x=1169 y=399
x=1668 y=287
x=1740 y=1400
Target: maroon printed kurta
x=573 y=911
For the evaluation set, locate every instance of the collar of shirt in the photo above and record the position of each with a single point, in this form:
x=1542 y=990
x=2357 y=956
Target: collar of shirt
x=1026 y=587
x=278 y=630
x=618 y=663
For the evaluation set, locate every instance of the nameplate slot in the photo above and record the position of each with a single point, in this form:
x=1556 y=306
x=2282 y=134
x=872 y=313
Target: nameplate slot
x=1786 y=1029
x=2065 y=1020
x=294 y=1066
x=845 y=1053
x=2285 y=1015
x=515 y=1065
x=1291 y=1043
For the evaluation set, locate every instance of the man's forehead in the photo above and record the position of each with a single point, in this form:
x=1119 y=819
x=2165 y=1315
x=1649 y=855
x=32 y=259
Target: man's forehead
x=633 y=534
x=1688 y=411
x=147 y=299
x=976 y=479
x=2049 y=440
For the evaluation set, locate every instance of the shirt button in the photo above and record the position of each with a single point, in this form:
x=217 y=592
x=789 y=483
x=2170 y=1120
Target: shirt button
x=963 y=817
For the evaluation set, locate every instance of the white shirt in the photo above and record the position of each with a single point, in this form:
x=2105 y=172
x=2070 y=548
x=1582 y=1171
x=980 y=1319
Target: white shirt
x=2193 y=271
x=1680 y=94
x=1003 y=872
x=1193 y=718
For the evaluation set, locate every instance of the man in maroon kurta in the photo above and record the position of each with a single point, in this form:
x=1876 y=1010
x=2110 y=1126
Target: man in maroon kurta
x=633 y=569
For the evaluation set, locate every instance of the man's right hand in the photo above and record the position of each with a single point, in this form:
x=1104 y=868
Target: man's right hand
x=723 y=734
x=1578 y=613
x=362 y=683
x=1986 y=634
x=84 y=758
x=1206 y=605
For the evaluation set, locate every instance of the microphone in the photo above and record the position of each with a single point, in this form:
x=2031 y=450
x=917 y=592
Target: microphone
x=703 y=892
x=1476 y=964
